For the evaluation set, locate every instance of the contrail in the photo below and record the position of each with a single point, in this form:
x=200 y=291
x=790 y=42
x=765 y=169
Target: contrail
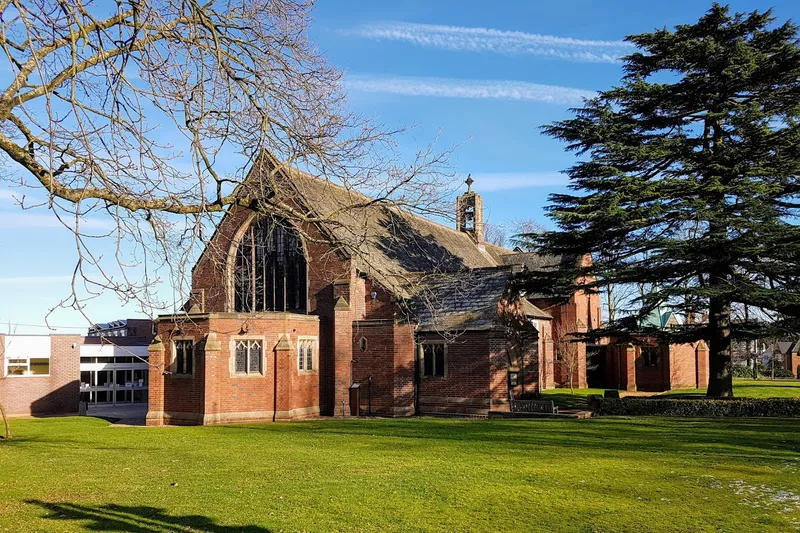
x=458 y=88
x=459 y=38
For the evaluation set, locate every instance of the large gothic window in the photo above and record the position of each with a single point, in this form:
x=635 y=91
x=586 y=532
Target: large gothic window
x=270 y=269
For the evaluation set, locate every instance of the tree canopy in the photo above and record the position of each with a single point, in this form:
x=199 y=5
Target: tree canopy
x=687 y=184
x=150 y=114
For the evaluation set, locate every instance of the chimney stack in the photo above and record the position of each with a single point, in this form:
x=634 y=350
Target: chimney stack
x=469 y=212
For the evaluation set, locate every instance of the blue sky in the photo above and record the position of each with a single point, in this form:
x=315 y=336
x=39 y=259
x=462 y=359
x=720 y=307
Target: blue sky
x=484 y=75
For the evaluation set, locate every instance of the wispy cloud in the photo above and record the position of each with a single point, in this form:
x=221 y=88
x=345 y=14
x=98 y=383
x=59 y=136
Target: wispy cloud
x=14 y=280
x=457 y=88
x=461 y=38
x=518 y=180
x=8 y=194
x=15 y=195
x=27 y=219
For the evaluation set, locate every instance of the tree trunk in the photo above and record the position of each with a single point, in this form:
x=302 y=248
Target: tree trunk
x=772 y=365
x=720 y=377
x=5 y=422
x=571 y=380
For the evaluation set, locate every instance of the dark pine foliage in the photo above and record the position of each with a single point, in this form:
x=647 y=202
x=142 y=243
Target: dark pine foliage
x=688 y=183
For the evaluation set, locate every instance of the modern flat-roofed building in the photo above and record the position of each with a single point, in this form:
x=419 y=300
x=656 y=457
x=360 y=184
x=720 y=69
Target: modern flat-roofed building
x=46 y=374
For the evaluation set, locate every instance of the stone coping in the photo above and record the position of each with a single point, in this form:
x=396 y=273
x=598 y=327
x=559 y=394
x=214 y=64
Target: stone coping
x=267 y=315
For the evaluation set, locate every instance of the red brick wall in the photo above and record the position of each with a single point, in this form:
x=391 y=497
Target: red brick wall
x=382 y=306
x=621 y=366
x=653 y=378
x=182 y=396
x=679 y=366
x=465 y=387
x=215 y=394
x=701 y=353
x=376 y=361
x=683 y=366
x=58 y=393
x=581 y=313
x=499 y=369
x=389 y=359
x=325 y=266
x=571 y=316
x=547 y=357
x=404 y=370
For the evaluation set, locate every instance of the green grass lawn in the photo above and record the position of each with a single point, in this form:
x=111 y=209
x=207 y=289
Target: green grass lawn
x=600 y=475
x=573 y=400
x=743 y=388
x=750 y=388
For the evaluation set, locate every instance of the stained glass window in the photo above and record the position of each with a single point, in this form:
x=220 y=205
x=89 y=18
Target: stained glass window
x=270 y=269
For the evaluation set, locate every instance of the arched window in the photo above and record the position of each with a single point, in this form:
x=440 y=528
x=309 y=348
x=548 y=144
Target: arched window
x=270 y=269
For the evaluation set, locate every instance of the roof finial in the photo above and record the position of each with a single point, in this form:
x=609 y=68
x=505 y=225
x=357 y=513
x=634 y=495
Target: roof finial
x=469 y=181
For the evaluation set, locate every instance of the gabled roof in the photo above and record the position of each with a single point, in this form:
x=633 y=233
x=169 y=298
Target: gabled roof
x=659 y=319
x=464 y=300
x=785 y=347
x=534 y=261
x=531 y=311
x=394 y=245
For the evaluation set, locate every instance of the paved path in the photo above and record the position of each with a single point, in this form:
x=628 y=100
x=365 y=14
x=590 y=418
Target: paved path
x=120 y=415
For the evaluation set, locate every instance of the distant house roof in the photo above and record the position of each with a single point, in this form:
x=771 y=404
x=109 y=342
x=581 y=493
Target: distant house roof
x=786 y=347
x=659 y=319
x=109 y=325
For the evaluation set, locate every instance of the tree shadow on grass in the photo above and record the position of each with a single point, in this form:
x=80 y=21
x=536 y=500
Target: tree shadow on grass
x=756 y=439
x=136 y=519
x=567 y=399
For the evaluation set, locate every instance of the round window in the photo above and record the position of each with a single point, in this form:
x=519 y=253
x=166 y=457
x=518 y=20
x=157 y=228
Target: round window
x=363 y=344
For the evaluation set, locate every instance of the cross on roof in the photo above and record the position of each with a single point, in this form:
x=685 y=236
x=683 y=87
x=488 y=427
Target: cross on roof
x=469 y=181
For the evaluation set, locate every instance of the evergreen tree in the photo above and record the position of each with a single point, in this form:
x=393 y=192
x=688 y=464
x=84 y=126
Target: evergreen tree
x=687 y=183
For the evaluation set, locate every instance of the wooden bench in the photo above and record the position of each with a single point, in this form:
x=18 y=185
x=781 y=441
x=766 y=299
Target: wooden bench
x=534 y=406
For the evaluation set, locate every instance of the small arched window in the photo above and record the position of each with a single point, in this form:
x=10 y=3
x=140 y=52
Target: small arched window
x=270 y=269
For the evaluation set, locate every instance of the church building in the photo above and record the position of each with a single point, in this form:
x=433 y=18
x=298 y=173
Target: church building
x=286 y=319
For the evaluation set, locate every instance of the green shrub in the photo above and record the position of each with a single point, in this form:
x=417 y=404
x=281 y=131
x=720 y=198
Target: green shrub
x=733 y=407
x=746 y=372
x=742 y=372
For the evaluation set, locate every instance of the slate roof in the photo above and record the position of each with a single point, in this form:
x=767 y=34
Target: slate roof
x=659 y=319
x=531 y=311
x=464 y=300
x=786 y=347
x=403 y=252
x=392 y=243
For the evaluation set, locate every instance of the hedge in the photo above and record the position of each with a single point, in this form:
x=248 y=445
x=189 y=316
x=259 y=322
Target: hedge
x=746 y=372
x=733 y=407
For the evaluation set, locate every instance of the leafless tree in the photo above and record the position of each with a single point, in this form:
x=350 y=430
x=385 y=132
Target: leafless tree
x=6 y=422
x=520 y=335
x=524 y=233
x=494 y=233
x=150 y=113
x=567 y=350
